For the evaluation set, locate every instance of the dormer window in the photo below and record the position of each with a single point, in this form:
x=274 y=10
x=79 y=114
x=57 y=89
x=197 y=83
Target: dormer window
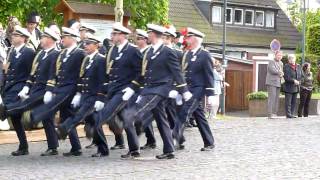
x=249 y=17
x=245 y=16
x=260 y=18
x=229 y=16
x=269 y=19
x=216 y=14
x=238 y=16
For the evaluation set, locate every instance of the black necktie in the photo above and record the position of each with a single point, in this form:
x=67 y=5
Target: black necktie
x=42 y=55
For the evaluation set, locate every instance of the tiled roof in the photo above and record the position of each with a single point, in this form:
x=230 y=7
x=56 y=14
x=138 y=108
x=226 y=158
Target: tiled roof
x=184 y=13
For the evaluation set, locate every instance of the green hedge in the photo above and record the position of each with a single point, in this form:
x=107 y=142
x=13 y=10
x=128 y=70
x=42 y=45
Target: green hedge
x=257 y=95
x=313 y=39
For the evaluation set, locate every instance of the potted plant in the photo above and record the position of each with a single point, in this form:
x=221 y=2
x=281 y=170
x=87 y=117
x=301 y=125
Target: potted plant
x=258 y=103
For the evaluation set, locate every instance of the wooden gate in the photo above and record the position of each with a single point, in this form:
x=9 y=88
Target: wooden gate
x=241 y=83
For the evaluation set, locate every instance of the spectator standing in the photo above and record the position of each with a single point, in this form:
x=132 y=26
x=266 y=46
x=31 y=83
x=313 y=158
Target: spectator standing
x=273 y=83
x=292 y=76
x=305 y=90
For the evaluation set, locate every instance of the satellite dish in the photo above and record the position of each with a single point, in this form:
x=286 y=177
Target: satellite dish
x=275 y=45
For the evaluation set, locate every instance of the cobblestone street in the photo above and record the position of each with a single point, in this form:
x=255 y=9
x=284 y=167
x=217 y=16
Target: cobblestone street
x=245 y=149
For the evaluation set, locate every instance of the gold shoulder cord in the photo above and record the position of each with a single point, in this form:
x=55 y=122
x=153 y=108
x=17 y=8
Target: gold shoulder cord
x=184 y=64
x=35 y=64
x=82 y=65
x=145 y=62
x=8 y=60
x=58 y=63
x=109 y=62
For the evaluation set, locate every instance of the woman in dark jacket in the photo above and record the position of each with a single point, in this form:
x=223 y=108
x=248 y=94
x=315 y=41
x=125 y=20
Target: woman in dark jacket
x=305 y=90
x=292 y=76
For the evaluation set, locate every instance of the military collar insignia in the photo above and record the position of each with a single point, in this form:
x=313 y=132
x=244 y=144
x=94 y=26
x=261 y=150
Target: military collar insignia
x=65 y=59
x=193 y=58
x=18 y=55
x=120 y=55
x=157 y=52
x=91 y=61
x=155 y=55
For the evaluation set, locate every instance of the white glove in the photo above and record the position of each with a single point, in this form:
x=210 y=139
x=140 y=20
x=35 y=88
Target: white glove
x=98 y=105
x=173 y=94
x=187 y=96
x=76 y=100
x=211 y=100
x=47 y=97
x=128 y=93
x=179 y=100
x=138 y=99
x=23 y=94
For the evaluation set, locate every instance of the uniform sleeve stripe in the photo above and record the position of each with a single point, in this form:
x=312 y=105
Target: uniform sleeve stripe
x=135 y=82
x=181 y=85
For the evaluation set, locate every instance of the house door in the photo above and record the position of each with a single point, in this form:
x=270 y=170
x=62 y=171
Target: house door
x=240 y=85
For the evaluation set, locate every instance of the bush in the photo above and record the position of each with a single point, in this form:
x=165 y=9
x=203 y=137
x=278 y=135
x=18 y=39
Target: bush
x=260 y=95
x=313 y=36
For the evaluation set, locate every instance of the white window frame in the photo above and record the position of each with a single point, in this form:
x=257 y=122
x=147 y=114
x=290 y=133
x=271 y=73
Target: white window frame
x=220 y=14
x=258 y=25
x=239 y=23
x=231 y=16
x=252 y=18
x=272 y=17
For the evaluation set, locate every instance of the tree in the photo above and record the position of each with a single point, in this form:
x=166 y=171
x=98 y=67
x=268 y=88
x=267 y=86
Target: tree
x=142 y=11
x=21 y=8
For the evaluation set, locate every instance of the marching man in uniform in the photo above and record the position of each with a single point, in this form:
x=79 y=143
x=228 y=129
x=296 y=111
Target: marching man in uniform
x=91 y=78
x=198 y=69
x=32 y=93
x=19 y=65
x=160 y=68
x=62 y=87
x=123 y=70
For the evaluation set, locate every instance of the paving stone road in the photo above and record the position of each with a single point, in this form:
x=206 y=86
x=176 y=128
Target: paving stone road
x=245 y=149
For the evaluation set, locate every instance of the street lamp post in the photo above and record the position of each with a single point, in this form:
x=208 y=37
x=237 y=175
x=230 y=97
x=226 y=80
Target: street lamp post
x=303 y=28
x=224 y=60
x=304 y=33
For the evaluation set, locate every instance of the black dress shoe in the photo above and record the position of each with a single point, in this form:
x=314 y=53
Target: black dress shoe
x=132 y=154
x=72 y=153
x=92 y=145
x=207 y=148
x=20 y=152
x=50 y=152
x=148 y=146
x=99 y=154
x=61 y=132
x=165 y=156
x=179 y=147
x=116 y=147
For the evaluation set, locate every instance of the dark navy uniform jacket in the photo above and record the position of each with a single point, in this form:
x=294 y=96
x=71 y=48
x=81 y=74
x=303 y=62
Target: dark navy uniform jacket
x=199 y=73
x=163 y=68
x=125 y=70
x=92 y=75
x=43 y=68
x=18 y=70
x=67 y=70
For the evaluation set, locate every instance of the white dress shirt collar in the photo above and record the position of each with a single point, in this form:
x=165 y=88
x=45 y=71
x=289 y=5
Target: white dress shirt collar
x=157 y=45
x=121 y=46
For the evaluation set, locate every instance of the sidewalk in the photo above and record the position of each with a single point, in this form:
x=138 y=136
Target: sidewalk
x=9 y=137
